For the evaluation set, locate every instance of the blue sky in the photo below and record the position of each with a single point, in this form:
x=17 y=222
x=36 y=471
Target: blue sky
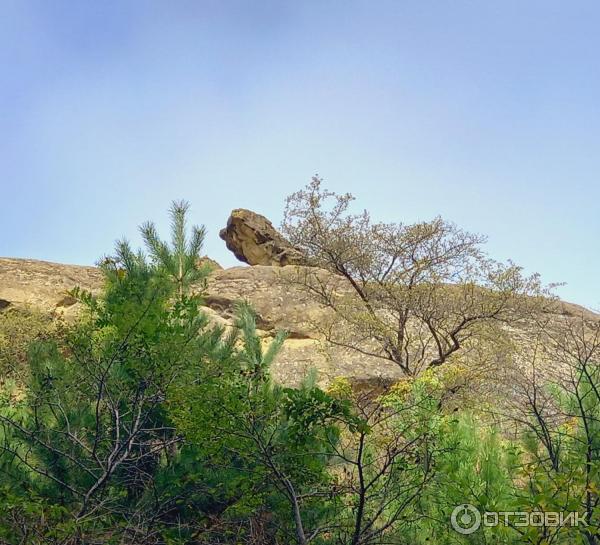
x=486 y=113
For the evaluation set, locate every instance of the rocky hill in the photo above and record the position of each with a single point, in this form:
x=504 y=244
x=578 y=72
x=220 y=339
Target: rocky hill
x=269 y=288
x=45 y=286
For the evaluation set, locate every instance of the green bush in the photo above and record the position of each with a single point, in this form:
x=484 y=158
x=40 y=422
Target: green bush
x=18 y=329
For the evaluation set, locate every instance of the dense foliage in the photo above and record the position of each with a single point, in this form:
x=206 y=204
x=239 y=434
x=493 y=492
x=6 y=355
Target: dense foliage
x=143 y=423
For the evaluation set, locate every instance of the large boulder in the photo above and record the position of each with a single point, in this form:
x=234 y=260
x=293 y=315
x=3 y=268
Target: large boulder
x=253 y=240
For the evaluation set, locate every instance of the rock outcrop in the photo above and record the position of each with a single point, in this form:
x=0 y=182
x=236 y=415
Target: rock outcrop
x=253 y=240
x=280 y=304
x=209 y=263
x=273 y=292
x=270 y=290
x=44 y=286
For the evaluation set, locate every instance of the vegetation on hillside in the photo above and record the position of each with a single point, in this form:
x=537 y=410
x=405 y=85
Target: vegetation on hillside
x=145 y=423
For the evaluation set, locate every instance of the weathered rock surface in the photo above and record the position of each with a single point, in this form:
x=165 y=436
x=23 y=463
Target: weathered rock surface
x=253 y=240
x=281 y=305
x=278 y=301
x=210 y=263
x=43 y=285
x=278 y=304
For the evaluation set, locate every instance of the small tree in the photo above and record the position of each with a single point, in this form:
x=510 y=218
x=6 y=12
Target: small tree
x=90 y=434
x=385 y=459
x=180 y=260
x=87 y=448
x=414 y=294
x=560 y=416
x=278 y=438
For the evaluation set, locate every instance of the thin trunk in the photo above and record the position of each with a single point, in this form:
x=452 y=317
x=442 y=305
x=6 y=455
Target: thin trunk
x=362 y=493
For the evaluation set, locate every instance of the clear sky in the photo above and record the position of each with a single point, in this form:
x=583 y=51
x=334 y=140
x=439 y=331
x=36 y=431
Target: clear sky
x=485 y=112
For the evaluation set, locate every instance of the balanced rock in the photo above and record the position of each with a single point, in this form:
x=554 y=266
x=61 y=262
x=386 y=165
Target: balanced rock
x=253 y=240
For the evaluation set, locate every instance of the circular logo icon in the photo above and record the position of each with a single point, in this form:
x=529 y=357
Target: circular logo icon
x=465 y=519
